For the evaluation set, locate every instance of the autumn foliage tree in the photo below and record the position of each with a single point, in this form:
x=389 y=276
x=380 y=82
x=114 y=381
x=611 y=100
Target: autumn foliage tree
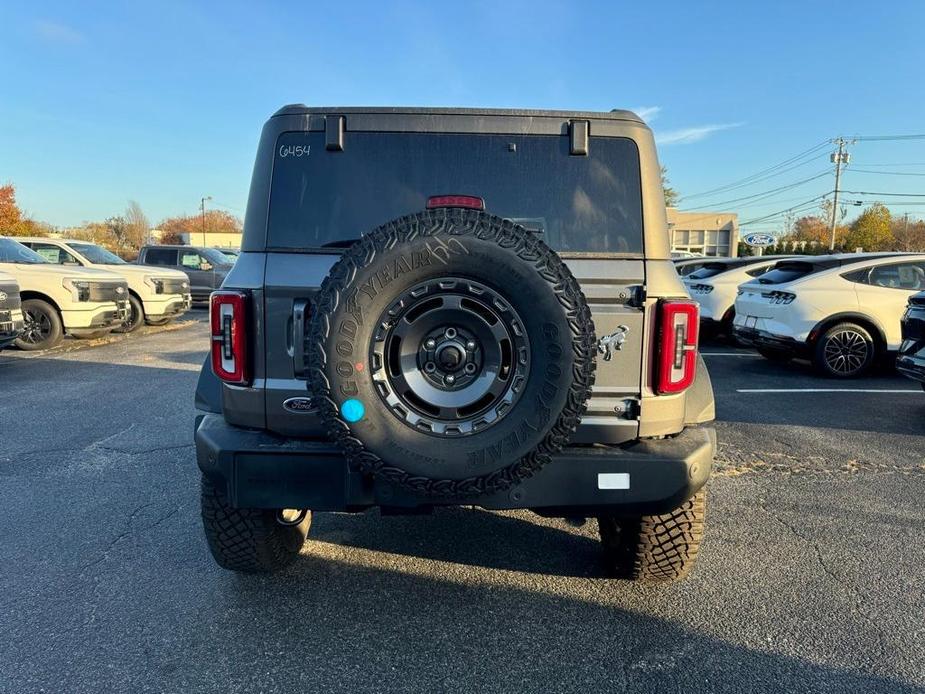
x=871 y=230
x=12 y=220
x=215 y=220
x=908 y=235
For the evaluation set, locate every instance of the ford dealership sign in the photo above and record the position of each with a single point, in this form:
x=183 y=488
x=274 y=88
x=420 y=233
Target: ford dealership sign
x=760 y=240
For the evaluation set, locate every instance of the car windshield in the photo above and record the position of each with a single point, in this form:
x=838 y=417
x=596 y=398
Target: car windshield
x=320 y=198
x=14 y=252
x=97 y=254
x=215 y=257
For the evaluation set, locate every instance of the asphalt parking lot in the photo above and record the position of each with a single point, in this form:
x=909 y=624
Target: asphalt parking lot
x=810 y=578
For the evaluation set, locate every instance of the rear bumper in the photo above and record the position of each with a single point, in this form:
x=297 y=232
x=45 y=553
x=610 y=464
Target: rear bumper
x=261 y=470
x=761 y=338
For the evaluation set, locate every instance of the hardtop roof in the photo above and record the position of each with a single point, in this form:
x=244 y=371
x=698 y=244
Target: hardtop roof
x=302 y=109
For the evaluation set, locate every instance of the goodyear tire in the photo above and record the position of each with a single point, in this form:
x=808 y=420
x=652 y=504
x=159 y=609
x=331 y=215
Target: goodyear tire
x=451 y=352
x=249 y=540
x=654 y=549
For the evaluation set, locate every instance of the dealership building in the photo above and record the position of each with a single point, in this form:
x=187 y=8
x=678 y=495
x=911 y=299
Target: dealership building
x=703 y=232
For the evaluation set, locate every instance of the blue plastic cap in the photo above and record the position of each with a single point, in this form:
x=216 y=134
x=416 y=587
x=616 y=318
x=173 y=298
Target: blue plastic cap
x=352 y=410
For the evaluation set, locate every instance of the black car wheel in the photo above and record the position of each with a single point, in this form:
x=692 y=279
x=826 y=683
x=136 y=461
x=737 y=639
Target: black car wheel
x=42 y=328
x=451 y=352
x=136 y=316
x=845 y=350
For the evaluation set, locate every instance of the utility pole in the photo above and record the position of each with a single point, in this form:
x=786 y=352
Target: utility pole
x=838 y=158
x=202 y=213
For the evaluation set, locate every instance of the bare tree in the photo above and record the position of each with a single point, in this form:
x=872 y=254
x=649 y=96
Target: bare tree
x=136 y=227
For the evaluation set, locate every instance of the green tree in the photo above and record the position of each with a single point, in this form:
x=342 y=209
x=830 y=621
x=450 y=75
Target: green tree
x=671 y=195
x=871 y=230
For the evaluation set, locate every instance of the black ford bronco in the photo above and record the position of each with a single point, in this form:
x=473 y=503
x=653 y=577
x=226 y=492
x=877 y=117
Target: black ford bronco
x=455 y=307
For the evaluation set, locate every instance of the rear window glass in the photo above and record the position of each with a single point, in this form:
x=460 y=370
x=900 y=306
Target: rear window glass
x=708 y=270
x=786 y=272
x=161 y=256
x=321 y=198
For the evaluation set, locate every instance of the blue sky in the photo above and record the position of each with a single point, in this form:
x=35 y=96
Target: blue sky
x=163 y=102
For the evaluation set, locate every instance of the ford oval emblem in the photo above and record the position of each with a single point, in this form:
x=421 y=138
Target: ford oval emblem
x=299 y=405
x=759 y=240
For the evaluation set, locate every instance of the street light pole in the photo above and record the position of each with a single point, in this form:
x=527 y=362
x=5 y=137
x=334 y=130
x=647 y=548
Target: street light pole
x=202 y=212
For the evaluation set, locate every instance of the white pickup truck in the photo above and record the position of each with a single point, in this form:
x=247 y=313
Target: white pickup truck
x=10 y=312
x=59 y=300
x=156 y=295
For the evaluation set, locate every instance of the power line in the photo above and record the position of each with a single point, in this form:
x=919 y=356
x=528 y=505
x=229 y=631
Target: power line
x=796 y=208
x=908 y=163
x=742 y=182
x=884 y=138
x=887 y=173
x=764 y=194
x=863 y=192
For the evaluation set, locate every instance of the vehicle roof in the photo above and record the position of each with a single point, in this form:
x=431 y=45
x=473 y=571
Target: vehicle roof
x=171 y=245
x=688 y=261
x=839 y=259
x=746 y=260
x=46 y=238
x=302 y=109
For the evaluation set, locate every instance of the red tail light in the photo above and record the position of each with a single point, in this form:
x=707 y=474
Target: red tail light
x=468 y=201
x=676 y=365
x=228 y=316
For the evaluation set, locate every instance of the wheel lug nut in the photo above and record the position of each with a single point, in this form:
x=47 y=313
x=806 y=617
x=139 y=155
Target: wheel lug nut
x=431 y=343
x=470 y=345
x=470 y=368
x=430 y=367
x=451 y=379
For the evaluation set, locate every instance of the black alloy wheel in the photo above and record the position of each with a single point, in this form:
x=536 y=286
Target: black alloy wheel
x=451 y=357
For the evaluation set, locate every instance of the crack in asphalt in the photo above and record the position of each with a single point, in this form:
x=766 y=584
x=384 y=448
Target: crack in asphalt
x=840 y=581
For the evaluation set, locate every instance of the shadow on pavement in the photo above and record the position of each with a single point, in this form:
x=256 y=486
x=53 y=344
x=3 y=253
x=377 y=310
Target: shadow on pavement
x=472 y=537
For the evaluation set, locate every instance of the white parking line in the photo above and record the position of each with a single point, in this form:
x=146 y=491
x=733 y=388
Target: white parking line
x=823 y=390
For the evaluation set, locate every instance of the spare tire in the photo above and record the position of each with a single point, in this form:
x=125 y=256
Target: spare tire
x=451 y=352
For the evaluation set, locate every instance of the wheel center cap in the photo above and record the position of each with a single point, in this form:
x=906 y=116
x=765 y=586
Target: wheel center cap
x=450 y=357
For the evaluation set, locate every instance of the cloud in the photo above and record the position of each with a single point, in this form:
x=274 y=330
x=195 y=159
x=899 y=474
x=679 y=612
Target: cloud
x=647 y=113
x=56 y=32
x=685 y=136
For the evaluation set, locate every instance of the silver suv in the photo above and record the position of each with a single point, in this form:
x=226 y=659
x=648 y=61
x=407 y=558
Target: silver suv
x=441 y=307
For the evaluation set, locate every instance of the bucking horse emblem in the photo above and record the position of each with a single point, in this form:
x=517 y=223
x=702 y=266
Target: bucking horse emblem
x=607 y=344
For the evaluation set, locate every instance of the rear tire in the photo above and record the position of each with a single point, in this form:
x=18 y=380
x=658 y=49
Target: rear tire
x=845 y=350
x=43 y=328
x=136 y=317
x=248 y=540
x=778 y=356
x=654 y=549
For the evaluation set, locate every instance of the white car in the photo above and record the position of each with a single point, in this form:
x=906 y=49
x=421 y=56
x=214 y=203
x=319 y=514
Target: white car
x=714 y=284
x=841 y=311
x=10 y=310
x=156 y=296
x=58 y=300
